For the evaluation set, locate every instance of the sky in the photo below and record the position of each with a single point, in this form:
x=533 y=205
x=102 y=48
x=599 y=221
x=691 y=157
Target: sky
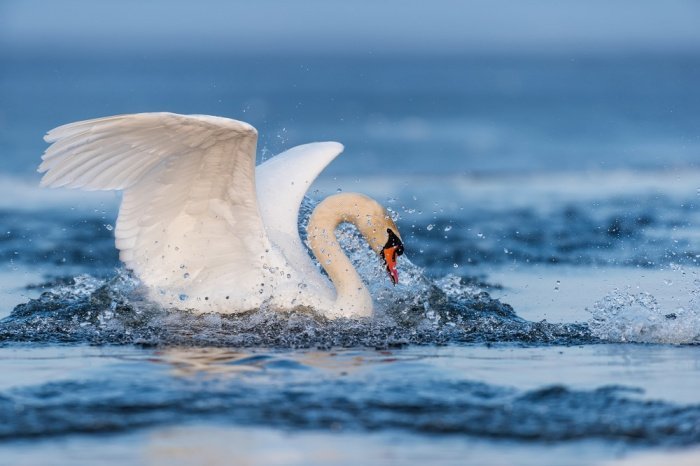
x=357 y=26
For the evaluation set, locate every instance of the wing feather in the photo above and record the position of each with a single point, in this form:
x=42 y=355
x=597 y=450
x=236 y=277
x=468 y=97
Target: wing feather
x=189 y=213
x=292 y=172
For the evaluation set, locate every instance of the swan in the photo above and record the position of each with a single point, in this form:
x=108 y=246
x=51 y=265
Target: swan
x=205 y=229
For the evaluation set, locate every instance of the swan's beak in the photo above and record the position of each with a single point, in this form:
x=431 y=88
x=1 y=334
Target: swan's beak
x=390 y=261
x=390 y=252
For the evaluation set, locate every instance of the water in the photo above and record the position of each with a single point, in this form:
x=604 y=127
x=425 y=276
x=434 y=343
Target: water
x=548 y=308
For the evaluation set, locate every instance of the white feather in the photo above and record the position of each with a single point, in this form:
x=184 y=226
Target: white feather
x=192 y=225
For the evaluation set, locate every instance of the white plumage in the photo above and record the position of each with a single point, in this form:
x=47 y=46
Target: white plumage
x=193 y=225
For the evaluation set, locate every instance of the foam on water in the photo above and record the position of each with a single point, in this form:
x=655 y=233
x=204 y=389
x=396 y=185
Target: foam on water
x=624 y=316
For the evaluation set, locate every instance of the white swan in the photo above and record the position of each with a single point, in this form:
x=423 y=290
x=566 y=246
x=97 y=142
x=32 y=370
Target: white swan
x=204 y=228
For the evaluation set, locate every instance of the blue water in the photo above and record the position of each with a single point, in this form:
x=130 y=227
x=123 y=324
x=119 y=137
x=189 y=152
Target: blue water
x=395 y=115
x=526 y=188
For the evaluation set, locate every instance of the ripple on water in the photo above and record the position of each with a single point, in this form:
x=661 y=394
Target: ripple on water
x=121 y=401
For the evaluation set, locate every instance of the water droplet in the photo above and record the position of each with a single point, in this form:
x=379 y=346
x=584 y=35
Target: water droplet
x=183 y=297
x=109 y=227
x=430 y=227
x=187 y=275
x=448 y=227
x=455 y=265
x=480 y=235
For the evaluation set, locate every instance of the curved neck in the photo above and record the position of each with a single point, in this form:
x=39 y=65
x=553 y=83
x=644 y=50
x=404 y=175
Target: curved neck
x=352 y=296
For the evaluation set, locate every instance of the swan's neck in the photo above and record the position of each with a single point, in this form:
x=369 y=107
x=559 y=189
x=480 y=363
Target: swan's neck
x=352 y=296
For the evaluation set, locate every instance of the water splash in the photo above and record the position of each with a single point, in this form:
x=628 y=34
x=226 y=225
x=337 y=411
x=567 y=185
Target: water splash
x=114 y=311
x=623 y=316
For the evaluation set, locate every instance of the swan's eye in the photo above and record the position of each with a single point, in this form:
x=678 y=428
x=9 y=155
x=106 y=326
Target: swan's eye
x=394 y=241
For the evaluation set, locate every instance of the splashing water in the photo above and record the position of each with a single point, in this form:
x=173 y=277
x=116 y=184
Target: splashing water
x=628 y=317
x=114 y=311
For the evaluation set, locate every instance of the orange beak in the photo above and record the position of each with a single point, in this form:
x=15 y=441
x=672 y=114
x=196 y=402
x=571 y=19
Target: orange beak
x=390 y=261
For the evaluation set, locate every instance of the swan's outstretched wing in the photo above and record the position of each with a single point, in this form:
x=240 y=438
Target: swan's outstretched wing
x=189 y=211
x=282 y=182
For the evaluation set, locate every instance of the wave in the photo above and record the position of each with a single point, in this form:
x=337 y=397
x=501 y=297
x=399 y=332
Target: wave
x=555 y=413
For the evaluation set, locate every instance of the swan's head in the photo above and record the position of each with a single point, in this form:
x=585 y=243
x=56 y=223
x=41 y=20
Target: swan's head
x=381 y=233
x=369 y=216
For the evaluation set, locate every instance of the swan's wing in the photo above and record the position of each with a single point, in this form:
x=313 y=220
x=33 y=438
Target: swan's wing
x=189 y=211
x=282 y=182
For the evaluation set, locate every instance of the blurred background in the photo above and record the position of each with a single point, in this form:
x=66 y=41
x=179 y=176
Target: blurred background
x=452 y=87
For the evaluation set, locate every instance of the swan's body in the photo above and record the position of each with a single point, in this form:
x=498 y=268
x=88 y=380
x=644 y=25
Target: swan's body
x=204 y=228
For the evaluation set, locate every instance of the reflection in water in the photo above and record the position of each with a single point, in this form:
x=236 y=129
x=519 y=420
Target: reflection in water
x=187 y=362
x=194 y=361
